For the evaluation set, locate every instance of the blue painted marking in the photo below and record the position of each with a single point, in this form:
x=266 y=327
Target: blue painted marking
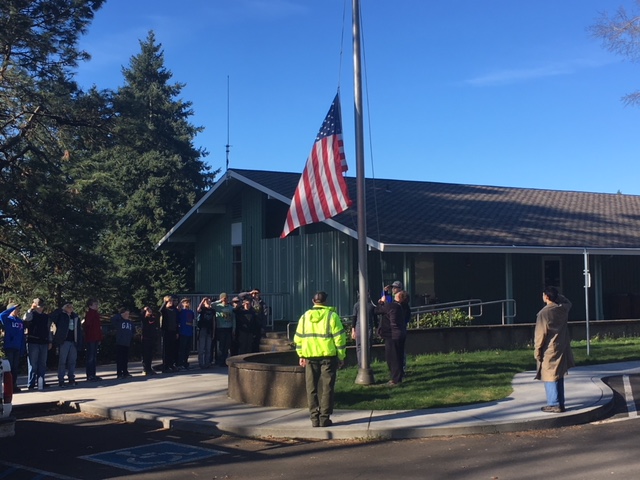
x=146 y=457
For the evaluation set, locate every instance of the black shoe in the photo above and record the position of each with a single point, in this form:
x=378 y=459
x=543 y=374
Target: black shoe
x=550 y=409
x=326 y=423
x=32 y=387
x=16 y=389
x=72 y=383
x=127 y=375
x=62 y=385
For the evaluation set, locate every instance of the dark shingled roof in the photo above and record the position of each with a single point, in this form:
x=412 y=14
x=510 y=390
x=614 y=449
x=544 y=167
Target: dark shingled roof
x=401 y=212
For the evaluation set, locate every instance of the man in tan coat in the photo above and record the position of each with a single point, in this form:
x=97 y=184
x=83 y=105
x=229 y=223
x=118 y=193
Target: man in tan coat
x=552 y=347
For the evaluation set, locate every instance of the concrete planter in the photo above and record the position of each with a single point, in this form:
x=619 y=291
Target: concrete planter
x=270 y=379
x=274 y=379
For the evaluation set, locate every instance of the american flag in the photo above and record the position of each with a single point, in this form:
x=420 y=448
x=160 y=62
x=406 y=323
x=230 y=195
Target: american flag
x=322 y=191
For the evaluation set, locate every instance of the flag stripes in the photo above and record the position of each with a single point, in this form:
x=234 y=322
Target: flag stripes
x=322 y=190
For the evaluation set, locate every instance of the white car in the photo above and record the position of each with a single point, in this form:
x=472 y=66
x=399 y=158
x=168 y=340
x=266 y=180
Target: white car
x=7 y=421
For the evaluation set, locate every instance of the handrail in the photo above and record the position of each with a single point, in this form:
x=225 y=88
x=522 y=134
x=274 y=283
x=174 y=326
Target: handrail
x=469 y=305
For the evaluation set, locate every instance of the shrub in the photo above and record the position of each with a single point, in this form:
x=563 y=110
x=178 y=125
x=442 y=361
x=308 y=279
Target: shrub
x=445 y=318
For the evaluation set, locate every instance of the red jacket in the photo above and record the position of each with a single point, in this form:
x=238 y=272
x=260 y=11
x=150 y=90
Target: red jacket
x=91 y=326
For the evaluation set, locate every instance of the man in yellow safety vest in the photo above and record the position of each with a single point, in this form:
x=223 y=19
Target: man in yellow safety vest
x=321 y=345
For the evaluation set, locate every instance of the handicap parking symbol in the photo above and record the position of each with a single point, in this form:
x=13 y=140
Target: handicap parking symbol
x=155 y=455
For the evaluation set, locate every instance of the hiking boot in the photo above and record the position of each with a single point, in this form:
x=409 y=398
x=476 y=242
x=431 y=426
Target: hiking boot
x=552 y=409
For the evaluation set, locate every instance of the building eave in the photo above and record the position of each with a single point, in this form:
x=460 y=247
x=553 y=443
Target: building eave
x=506 y=249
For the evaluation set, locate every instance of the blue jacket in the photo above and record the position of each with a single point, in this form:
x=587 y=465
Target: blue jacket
x=123 y=329
x=13 y=330
x=185 y=322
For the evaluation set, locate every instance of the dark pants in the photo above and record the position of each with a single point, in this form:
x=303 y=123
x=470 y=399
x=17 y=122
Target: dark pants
x=92 y=359
x=394 y=354
x=255 y=346
x=184 y=350
x=148 y=346
x=169 y=349
x=122 y=360
x=320 y=380
x=245 y=342
x=13 y=355
x=223 y=340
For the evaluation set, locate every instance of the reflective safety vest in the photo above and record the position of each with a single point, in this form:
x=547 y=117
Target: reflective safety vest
x=320 y=333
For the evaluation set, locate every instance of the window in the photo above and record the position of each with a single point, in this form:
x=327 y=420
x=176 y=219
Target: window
x=236 y=260
x=237 y=268
x=552 y=272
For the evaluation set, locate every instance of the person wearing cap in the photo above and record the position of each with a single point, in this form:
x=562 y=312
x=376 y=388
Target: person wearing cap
x=14 y=346
x=186 y=316
x=247 y=326
x=123 y=328
x=169 y=327
x=393 y=330
x=206 y=327
x=390 y=291
x=355 y=329
x=262 y=311
x=149 y=339
x=225 y=328
x=321 y=342
x=68 y=338
x=92 y=329
x=236 y=303
x=39 y=341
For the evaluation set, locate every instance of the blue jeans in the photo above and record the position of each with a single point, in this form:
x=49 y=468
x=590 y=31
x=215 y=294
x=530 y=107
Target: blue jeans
x=555 y=393
x=67 y=361
x=37 y=356
x=92 y=359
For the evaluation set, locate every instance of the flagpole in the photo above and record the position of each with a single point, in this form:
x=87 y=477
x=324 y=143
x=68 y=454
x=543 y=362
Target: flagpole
x=365 y=374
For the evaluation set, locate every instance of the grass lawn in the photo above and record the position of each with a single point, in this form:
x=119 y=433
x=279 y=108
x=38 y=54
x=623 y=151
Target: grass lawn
x=445 y=380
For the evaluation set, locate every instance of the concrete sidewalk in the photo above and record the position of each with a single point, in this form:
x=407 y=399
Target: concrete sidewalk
x=196 y=400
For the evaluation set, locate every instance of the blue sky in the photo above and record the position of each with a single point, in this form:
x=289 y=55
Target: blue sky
x=485 y=92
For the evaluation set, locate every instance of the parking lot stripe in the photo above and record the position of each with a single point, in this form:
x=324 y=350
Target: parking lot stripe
x=628 y=395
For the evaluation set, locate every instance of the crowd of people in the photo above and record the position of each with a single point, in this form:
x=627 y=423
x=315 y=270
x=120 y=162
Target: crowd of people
x=222 y=328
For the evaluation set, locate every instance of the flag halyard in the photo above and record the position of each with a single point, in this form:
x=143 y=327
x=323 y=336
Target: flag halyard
x=322 y=190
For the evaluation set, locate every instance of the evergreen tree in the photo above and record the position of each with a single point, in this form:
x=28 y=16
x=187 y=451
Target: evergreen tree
x=44 y=217
x=159 y=175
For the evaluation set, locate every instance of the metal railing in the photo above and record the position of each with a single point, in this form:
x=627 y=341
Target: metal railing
x=474 y=308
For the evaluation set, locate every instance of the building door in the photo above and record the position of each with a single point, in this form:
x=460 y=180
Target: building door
x=552 y=272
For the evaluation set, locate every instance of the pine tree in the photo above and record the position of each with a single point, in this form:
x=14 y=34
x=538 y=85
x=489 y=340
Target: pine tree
x=159 y=176
x=44 y=218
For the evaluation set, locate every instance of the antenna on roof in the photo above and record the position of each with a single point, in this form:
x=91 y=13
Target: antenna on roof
x=227 y=146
